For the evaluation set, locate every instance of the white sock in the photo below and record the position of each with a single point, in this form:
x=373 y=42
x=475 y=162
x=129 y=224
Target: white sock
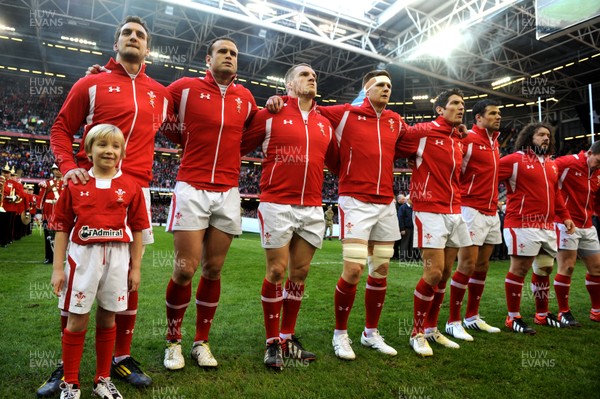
x=285 y=336
x=120 y=358
x=369 y=332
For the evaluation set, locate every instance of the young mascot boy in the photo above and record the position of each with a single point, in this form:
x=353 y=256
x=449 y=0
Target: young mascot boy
x=102 y=225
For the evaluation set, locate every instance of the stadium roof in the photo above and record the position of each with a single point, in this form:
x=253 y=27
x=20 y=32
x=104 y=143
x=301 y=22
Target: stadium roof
x=426 y=45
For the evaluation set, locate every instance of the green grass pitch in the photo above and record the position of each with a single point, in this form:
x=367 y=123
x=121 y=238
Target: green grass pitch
x=566 y=11
x=552 y=364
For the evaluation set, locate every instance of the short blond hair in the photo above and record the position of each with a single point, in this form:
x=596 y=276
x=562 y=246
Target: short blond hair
x=103 y=131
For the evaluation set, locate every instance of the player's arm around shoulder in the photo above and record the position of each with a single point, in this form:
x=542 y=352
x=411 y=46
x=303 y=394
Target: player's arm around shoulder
x=334 y=113
x=409 y=137
x=506 y=169
x=254 y=134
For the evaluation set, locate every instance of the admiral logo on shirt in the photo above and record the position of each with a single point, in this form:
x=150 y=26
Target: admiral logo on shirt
x=90 y=233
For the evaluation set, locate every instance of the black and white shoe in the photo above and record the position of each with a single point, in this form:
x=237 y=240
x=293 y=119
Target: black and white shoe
x=274 y=356
x=568 y=319
x=518 y=325
x=549 y=320
x=293 y=349
x=105 y=389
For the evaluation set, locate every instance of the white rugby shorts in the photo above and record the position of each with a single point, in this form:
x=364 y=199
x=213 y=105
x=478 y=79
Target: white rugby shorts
x=193 y=209
x=440 y=230
x=96 y=271
x=483 y=229
x=368 y=221
x=279 y=222
x=529 y=241
x=581 y=239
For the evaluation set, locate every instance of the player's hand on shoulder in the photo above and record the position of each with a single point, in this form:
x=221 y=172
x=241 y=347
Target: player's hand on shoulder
x=463 y=130
x=76 y=176
x=274 y=104
x=94 y=70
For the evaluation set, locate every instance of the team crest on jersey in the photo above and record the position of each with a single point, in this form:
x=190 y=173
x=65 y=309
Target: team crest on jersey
x=79 y=298
x=267 y=236
x=349 y=227
x=152 y=97
x=392 y=123
x=238 y=101
x=321 y=126
x=178 y=217
x=521 y=247
x=428 y=238
x=120 y=193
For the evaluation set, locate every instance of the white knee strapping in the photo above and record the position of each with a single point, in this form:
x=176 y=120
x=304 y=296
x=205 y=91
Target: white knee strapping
x=355 y=253
x=542 y=264
x=381 y=255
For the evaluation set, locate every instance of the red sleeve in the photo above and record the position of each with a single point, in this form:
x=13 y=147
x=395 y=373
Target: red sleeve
x=254 y=134
x=561 y=163
x=68 y=121
x=408 y=139
x=39 y=203
x=560 y=210
x=21 y=193
x=171 y=128
x=505 y=170
x=332 y=156
x=137 y=214
x=253 y=111
x=333 y=113
x=63 y=217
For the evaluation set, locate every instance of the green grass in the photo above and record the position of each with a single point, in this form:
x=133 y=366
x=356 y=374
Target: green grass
x=566 y=11
x=554 y=363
